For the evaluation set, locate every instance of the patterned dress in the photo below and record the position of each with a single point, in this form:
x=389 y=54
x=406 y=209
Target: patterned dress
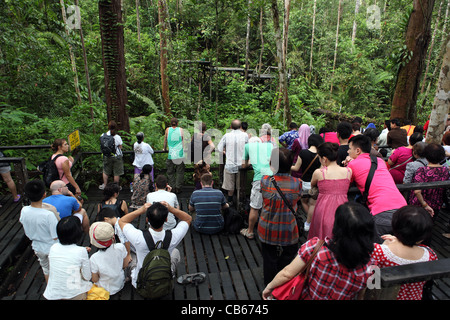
x=434 y=197
x=386 y=258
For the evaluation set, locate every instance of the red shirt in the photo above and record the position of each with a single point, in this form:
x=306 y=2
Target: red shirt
x=330 y=280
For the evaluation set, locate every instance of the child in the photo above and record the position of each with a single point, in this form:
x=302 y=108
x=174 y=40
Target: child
x=39 y=224
x=200 y=168
x=70 y=271
x=142 y=186
x=109 y=262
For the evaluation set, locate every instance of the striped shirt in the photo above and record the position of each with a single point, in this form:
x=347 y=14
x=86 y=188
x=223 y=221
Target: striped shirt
x=208 y=203
x=277 y=224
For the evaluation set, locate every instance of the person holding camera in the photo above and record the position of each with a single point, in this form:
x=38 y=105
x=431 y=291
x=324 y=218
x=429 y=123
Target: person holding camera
x=163 y=193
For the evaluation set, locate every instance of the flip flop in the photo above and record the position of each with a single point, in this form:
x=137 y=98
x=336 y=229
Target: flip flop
x=245 y=233
x=192 y=278
x=18 y=199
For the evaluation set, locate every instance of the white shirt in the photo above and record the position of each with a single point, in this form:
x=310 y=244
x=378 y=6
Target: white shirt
x=109 y=264
x=70 y=272
x=170 y=198
x=136 y=238
x=142 y=154
x=40 y=227
x=234 y=142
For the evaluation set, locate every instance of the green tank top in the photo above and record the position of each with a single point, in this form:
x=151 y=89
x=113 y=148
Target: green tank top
x=175 y=143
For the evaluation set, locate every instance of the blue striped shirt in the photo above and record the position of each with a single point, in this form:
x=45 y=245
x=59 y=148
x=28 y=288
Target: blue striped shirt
x=208 y=203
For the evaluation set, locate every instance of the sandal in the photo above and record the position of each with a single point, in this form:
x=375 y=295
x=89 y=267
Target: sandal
x=18 y=199
x=193 y=278
x=247 y=234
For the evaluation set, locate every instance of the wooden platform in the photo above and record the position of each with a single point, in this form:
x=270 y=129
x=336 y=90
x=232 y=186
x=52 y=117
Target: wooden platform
x=232 y=263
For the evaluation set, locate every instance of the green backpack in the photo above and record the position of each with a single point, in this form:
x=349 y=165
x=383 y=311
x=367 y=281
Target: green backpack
x=155 y=277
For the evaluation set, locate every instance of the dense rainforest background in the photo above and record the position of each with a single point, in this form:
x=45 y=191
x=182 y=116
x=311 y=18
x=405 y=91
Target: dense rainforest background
x=73 y=65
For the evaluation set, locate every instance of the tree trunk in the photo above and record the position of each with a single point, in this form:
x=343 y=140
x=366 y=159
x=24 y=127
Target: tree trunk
x=247 y=40
x=281 y=43
x=357 y=4
x=312 y=38
x=86 y=71
x=111 y=27
x=72 y=56
x=444 y=34
x=138 y=21
x=336 y=45
x=162 y=17
x=261 y=33
x=418 y=36
x=441 y=105
x=430 y=50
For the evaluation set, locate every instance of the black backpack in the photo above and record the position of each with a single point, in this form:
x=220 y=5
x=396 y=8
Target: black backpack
x=107 y=145
x=233 y=221
x=155 y=278
x=117 y=207
x=50 y=171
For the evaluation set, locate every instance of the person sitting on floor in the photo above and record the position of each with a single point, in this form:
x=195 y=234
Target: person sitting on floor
x=207 y=203
x=156 y=215
x=66 y=203
x=163 y=193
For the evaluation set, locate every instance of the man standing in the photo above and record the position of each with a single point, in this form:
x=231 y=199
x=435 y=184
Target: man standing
x=208 y=204
x=66 y=203
x=113 y=158
x=162 y=193
x=232 y=145
x=383 y=198
x=287 y=138
x=173 y=140
x=257 y=154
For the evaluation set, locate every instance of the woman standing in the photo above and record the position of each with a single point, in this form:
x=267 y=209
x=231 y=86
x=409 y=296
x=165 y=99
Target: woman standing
x=308 y=161
x=63 y=163
x=333 y=182
x=142 y=155
x=342 y=266
x=301 y=143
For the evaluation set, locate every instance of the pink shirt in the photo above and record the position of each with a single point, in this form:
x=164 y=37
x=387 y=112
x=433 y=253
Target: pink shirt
x=384 y=194
x=59 y=162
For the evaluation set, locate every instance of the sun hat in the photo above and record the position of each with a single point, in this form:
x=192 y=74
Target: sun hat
x=101 y=234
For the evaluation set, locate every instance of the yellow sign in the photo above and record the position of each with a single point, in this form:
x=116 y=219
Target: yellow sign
x=74 y=140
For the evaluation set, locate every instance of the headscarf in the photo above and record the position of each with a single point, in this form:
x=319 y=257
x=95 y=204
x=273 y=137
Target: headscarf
x=303 y=134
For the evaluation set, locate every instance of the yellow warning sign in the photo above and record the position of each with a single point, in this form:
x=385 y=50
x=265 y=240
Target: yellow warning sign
x=74 y=140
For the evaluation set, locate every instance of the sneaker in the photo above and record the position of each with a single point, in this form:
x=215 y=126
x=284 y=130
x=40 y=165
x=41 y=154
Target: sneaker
x=306 y=226
x=102 y=186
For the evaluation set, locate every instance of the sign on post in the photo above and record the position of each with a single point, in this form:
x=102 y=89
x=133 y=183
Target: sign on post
x=74 y=140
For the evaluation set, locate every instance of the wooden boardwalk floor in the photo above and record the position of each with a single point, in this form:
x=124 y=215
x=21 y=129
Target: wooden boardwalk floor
x=232 y=263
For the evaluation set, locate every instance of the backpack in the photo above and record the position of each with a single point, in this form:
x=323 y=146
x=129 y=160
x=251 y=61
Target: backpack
x=233 y=221
x=107 y=145
x=50 y=171
x=155 y=278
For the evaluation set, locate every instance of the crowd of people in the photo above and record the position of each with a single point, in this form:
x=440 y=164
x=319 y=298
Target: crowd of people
x=300 y=171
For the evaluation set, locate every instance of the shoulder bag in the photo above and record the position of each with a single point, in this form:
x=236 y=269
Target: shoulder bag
x=292 y=289
x=363 y=198
x=298 y=219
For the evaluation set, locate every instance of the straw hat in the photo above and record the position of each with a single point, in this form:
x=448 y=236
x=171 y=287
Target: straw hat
x=101 y=234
